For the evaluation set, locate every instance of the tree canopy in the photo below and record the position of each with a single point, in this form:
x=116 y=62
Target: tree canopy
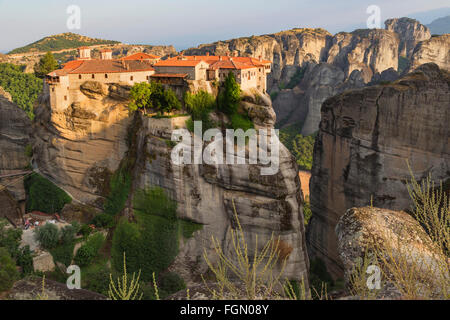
x=45 y=65
x=153 y=96
x=23 y=87
x=230 y=96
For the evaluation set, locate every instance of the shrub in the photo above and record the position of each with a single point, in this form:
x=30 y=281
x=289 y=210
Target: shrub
x=24 y=260
x=96 y=278
x=43 y=195
x=88 y=251
x=153 y=96
x=8 y=271
x=85 y=230
x=84 y=256
x=48 y=235
x=171 y=283
x=63 y=253
x=103 y=221
x=10 y=238
x=120 y=185
x=239 y=121
x=68 y=234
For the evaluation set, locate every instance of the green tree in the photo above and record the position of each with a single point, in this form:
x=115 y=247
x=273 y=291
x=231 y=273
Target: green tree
x=153 y=96
x=8 y=271
x=303 y=149
x=230 y=96
x=45 y=65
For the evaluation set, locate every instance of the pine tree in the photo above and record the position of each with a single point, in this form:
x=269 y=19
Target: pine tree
x=46 y=65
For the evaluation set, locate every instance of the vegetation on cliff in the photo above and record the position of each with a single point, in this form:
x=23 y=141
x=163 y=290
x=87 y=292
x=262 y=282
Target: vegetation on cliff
x=43 y=195
x=302 y=147
x=153 y=97
x=61 y=41
x=23 y=87
x=45 y=65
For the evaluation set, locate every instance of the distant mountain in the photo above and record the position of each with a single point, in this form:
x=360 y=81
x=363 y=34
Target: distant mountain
x=60 y=42
x=427 y=17
x=440 y=26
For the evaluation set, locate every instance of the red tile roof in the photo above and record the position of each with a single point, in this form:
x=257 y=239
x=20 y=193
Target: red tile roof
x=141 y=56
x=169 y=75
x=102 y=66
x=177 y=62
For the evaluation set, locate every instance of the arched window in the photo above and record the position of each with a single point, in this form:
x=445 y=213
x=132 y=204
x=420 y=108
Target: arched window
x=93 y=76
x=79 y=76
x=106 y=76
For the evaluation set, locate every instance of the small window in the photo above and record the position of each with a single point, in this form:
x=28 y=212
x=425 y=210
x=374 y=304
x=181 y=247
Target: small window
x=79 y=76
x=65 y=98
x=106 y=76
x=93 y=76
x=53 y=89
x=131 y=78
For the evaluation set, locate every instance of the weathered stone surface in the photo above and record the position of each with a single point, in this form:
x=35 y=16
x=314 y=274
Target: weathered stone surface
x=80 y=146
x=410 y=32
x=395 y=235
x=365 y=138
x=43 y=262
x=368 y=50
x=31 y=288
x=436 y=49
x=204 y=193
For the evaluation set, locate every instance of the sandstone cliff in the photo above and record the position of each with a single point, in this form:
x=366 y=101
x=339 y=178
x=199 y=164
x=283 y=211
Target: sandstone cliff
x=364 y=140
x=80 y=146
x=410 y=31
x=436 y=49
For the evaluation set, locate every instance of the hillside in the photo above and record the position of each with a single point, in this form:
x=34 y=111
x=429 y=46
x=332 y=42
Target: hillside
x=61 y=42
x=440 y=26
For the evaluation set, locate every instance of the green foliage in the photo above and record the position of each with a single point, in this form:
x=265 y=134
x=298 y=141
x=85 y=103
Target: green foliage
x=45 y=65
x=307 y=210
x=103 y=220
x=274 y=95
x=23 y=87
x=230 y=96
x=171 y=283
x=88 y=251
x=68 y=234
x=200 y=106
x=296 y=78
x=10 y=238
x=151 y=244
x=302 y=147
x=63 y=253
x=8 y=271
x=120 y=186
x=188 y=228
x=48 y=235
x=43 y=195
x=239 y=121
x=153 y=96
x=84 y=256
x=29 y=150
x=95 y=278
x=24 y=259
x=318 y=275
x=61 y=41
x=85 y=230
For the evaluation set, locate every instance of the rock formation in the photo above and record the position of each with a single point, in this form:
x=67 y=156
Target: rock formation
x=410 y=31
x=204 y=193
x=436 y=50
x=15 y=129
x=79 y=147
x=364 y=233
x=365 y=138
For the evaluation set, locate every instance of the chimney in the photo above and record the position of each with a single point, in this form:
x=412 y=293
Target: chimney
x=106 y=54
x=84 y=53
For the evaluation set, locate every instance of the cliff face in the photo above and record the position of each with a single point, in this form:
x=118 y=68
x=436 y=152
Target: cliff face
x=80 y=146
x=205 y=193
x=436 y=49
x=364 y=140
x=410 y=31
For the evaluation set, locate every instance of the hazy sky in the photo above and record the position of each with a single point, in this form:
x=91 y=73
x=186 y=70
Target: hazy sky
x=187 y=23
